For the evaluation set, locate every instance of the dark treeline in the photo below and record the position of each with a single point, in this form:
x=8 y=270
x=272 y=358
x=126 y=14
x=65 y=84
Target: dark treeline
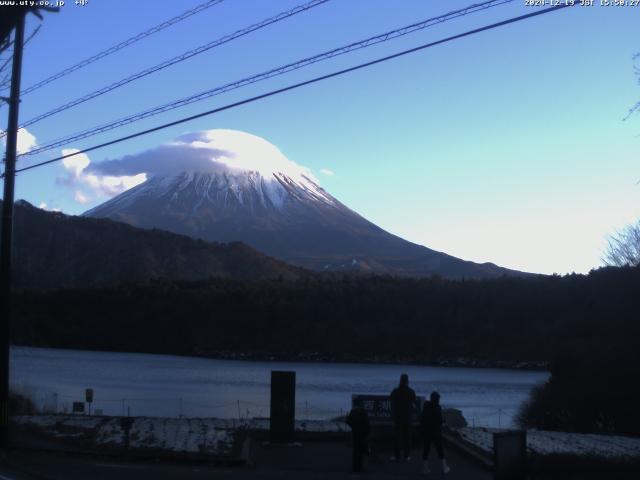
x=590 y=390
x=505 y=319
x=585 y=325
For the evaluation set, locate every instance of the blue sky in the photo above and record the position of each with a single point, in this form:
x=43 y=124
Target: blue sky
x=507 y=146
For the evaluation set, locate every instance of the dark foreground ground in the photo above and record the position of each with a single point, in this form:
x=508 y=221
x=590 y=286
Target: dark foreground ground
x=312 y=460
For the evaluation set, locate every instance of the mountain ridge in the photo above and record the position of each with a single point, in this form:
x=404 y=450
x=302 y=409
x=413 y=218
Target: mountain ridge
x=288 y=217
x=53 y=250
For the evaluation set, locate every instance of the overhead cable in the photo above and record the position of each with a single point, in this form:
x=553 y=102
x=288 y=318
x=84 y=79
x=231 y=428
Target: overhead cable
x=384 y=37
x=123 y=44
x=298 y=85
x=177 y=59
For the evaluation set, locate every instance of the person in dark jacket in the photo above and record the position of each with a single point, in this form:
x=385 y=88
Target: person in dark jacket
x=403 y=407
x=358 y=420
x=431 y=426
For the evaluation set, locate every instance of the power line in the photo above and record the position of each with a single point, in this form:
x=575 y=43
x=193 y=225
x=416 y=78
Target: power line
x=268 y=74
x=6 y=62
x=180 y=58
x=301 y=84
x=4 y=83
x=124 y=44
x=33 y=34
x=5 y=45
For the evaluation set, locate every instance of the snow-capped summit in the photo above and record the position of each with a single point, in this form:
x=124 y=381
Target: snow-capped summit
x=241 y=152
x=225 y=185
x=232 y=166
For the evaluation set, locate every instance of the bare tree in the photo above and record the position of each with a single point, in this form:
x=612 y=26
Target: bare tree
x=624 y=247
x=636 y=69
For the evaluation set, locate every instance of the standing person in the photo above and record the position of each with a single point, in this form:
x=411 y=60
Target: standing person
x=403 y=406
x=431 y=425
x=358 y=420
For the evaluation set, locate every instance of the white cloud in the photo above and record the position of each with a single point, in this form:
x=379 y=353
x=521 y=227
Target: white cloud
x=44 y=206
x=100 y=185
x=81 y=197
x=26 y=140
x=208 y=151
x=327 y=172
x=77 y=163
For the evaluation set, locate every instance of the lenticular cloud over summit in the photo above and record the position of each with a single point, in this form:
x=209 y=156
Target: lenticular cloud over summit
x=209 y=151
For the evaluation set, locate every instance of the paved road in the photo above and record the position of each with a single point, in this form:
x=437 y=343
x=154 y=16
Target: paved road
x=333 y=460
x=312 y=460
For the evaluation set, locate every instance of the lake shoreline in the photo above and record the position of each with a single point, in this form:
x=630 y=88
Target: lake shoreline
x=318 y=357
x=173 y=385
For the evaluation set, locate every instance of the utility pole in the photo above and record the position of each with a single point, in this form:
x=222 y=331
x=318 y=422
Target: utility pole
x=7 y=229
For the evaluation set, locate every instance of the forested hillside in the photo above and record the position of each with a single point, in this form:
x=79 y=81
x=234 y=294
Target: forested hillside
x=383 y=318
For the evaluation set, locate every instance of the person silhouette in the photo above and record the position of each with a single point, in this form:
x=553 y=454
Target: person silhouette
x=358 y=420
x=403 y=407
x=431 y=427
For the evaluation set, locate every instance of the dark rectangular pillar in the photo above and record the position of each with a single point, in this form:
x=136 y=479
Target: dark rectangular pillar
x=283 y=406
x=510 y=455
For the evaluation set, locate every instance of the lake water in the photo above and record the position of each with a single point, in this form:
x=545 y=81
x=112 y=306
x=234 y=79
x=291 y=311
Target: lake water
x=166 y=385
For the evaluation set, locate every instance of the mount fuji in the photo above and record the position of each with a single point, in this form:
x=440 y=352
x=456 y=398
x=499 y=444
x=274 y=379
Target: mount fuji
x=225 y=185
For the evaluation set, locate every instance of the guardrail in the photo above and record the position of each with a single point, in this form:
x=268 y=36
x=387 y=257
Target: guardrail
x=183 y=407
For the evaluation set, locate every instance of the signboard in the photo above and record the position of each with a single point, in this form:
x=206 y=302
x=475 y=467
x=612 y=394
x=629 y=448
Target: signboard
x=283 y=406
x=378 y=407
x=78 y=407
x=88 y=395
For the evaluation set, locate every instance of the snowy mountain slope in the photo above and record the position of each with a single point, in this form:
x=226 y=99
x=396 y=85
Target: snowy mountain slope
x=279 y=209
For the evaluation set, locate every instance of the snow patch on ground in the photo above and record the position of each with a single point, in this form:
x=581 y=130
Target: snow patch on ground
x=196 y=435
x=546 y=443
x=211 y=436
x=184 y=435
